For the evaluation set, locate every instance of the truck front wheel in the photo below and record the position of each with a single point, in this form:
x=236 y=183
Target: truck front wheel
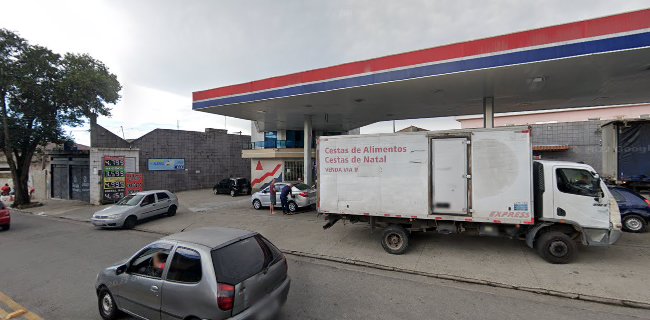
x=556 y=247
x=395 y=240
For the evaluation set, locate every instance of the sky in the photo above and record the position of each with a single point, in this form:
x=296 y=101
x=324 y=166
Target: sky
x=164 y=50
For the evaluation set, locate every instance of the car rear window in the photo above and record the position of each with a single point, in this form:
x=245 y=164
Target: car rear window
x=239 y=261
x=633 y=198
x=302 y=186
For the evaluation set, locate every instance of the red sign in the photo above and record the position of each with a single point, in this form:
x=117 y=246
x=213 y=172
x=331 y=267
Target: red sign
x=134 y=183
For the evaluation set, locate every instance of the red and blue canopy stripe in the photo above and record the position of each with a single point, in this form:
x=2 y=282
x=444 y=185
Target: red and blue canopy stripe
x=626 y=31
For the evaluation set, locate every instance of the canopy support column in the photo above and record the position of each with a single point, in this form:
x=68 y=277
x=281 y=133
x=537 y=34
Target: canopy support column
x=488 y=112
x=307 y=162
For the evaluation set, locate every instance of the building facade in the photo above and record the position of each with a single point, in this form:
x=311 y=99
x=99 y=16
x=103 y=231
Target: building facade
x=202 y=158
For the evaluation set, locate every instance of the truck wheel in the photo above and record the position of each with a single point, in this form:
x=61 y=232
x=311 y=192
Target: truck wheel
x=556 y=247
x=395 y=240
x=634 y=224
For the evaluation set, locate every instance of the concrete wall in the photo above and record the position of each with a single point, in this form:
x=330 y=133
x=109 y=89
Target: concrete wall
x=96 y=155
x=209 y=157
x=583 y=139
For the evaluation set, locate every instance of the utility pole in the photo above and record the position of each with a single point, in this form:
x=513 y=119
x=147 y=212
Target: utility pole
x=121 y=127
x=178 y=126
x=393 y=126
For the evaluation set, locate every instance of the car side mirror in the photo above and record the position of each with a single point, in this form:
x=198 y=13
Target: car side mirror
x=121 y=269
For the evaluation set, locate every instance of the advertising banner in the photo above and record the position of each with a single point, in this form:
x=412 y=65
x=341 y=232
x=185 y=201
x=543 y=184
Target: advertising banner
x=114 y=184
x=134 y=183
x=165 y=164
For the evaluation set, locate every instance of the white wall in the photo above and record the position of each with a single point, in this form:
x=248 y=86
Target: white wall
x=96 y=155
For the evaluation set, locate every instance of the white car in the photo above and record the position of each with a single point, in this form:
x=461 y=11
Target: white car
x=304 y=196
x=136 y=206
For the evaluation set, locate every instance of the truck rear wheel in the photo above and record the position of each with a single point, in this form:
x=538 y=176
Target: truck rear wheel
x=556 y=247
x=395 y=240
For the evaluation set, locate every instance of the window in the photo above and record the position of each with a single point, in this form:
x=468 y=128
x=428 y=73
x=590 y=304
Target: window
x=293 y=170
x=185 y=266
x=302 y=186
x=270 y=139
x=130 y=200
x=578 y=181
x=150 y=261
x=633 y=199
x=239 y=261
x=618 y=196
x=149 y=199
x=162 y=196
x=276 y=254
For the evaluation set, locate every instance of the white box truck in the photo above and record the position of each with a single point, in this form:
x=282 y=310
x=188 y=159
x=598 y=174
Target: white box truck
x=481 y=181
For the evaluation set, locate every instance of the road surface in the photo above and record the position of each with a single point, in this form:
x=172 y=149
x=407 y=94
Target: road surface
x=49 y=265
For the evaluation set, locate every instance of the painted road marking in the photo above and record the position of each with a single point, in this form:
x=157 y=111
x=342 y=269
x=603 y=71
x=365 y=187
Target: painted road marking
x=15 y=311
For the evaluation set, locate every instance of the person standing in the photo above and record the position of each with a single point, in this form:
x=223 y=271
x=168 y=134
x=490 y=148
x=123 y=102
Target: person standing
x=272 y=195
x=6 y=189
x=284 y=198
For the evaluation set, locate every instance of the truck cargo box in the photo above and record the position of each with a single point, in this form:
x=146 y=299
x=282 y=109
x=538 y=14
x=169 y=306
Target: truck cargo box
x=467 y=175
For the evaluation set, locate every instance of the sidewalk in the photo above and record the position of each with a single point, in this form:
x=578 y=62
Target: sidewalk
x=618 y=272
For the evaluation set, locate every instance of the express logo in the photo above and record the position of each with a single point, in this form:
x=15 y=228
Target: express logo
x=509 y=214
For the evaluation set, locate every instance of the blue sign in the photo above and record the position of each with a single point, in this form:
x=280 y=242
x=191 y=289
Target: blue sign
x=166 y=164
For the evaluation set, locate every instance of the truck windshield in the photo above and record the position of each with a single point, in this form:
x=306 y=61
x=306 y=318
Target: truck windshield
x=578 y=181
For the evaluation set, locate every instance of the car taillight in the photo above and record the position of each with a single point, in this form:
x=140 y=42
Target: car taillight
x=647 y=202
x=225 y=296
x=304 y=194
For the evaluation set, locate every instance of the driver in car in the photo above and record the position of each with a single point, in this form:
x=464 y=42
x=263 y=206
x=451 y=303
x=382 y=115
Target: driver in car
x=157 y=265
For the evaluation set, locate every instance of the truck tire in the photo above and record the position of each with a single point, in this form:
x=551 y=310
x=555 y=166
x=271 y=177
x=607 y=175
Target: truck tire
x=634 y=223
x=556 y=247
x=395 y=239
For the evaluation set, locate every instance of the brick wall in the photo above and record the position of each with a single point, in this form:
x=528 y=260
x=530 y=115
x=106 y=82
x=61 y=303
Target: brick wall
x=209 y=157
x=583 y=138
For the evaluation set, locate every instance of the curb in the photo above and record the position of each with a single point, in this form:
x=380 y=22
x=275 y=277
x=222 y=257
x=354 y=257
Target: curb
x=548 y=292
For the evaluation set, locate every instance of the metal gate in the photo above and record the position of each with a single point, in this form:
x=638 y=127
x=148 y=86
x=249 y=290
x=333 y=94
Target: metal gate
x=79 y=183
x=60 y=187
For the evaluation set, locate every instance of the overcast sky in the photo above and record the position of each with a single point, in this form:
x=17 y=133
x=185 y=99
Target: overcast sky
x=164 y=50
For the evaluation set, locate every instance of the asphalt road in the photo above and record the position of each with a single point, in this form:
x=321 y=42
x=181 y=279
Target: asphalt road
x=49 y=265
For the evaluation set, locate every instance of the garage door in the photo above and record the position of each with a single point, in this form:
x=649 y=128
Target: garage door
x=60 y=187
x=80 y=183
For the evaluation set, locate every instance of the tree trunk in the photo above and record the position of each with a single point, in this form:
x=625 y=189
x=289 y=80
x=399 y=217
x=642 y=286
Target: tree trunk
x=21 y=193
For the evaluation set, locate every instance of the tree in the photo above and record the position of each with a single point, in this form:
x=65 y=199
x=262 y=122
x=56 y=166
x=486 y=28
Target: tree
x=41 y=92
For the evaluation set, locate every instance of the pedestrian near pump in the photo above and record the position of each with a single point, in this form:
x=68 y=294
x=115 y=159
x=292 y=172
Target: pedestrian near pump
x=272 y=195
x=284 y=198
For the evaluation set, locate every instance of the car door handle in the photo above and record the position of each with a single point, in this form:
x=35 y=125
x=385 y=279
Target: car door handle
x=154 y=288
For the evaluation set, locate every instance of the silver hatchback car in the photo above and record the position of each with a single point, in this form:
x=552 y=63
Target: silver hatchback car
x=206 y=273
x=304 y=196
x=136 y=206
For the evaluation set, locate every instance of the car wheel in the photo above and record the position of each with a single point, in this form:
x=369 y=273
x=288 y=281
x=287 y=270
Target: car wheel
x=107 y=307
x=395 y=240
x=130 y=222
x=257 y=204
x=556 y=247
x=215 y=191
x=171 y=211
x=5 y=227
x=233 y=193
x=293 y=207
x=634 y=224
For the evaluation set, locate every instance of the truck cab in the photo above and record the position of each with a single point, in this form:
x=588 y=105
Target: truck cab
x=569 y=193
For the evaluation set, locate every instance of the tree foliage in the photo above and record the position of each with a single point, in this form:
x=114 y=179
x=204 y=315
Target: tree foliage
x=41 y=92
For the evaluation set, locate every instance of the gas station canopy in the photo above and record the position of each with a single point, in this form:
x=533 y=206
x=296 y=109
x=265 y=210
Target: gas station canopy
x=604 y=61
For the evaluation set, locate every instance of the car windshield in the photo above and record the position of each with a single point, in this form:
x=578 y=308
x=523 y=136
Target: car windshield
x=130 y=200
x=302 y=186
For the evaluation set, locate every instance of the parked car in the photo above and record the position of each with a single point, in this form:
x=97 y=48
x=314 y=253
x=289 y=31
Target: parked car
x=136 y=206
x=206 y=273
x=232 y=186
x=635 y=209
x=5 y=217
x=305 y=196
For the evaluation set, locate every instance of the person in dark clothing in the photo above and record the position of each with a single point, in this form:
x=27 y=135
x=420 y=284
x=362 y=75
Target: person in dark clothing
x=284 y=198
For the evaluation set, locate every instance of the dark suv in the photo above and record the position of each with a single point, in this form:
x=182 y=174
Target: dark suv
x=232 y=186
x=635 y=209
